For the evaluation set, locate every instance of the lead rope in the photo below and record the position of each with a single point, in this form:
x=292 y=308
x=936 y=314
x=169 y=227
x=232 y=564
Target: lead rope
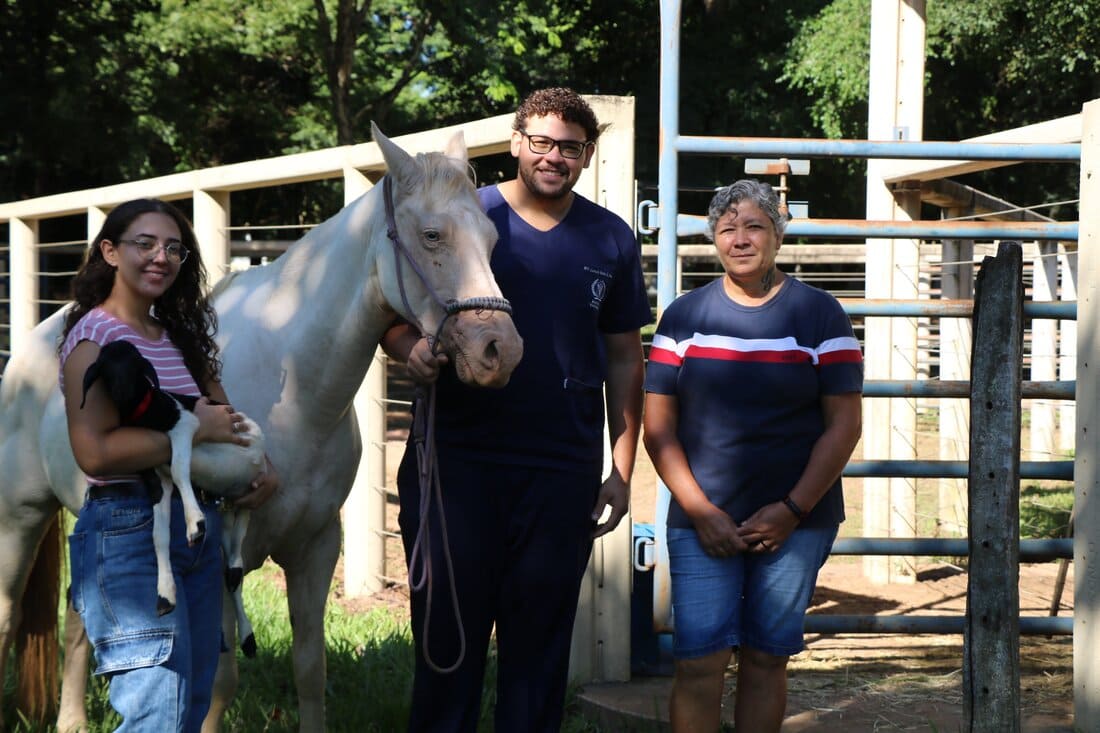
x=427 y=459
x=427 y=463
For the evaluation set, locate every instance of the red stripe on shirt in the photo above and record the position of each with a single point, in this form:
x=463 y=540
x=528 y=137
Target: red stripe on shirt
x=664 y=356
x=764 y=355
x=843 y=356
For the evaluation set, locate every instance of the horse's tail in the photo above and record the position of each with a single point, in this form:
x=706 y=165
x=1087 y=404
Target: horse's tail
x=36 y=644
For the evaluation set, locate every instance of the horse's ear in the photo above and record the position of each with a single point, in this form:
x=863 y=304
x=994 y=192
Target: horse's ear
x=456 y=151
x=399 y=163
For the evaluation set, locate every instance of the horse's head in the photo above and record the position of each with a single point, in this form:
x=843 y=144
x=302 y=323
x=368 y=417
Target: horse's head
x=438 y=275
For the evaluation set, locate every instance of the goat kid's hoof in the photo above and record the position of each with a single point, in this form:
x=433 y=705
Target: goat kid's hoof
x=248 y=646
x=233 y=578
x=164 y=606
x=197 y=536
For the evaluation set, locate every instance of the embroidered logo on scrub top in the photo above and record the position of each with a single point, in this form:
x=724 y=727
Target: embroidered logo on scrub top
x=598 y=287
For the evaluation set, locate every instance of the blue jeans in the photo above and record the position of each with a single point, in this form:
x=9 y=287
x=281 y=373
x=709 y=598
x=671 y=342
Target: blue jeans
x=161 y=668
x=750 y=599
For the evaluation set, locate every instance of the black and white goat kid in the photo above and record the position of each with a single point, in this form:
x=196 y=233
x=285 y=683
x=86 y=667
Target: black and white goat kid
x=224 y=470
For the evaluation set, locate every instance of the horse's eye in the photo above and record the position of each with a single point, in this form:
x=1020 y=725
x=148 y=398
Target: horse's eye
x=432 y=237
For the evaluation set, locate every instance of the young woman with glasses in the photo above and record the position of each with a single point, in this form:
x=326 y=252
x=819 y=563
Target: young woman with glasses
x=142 y=282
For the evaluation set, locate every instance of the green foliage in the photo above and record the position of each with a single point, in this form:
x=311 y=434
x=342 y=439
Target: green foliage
x=991 y=65
x=829 y=61
x=1026 y=55
x=100 y=91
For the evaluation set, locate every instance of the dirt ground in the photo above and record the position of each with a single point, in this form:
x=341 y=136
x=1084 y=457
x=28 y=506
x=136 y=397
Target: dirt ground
x=854 y=682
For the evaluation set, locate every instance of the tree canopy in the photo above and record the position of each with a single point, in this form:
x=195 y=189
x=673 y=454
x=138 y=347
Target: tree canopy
x=990 y=65
x=100 y=91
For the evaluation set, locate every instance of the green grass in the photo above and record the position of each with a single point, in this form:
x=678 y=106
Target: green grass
x=369 y=662
x=1045 y=511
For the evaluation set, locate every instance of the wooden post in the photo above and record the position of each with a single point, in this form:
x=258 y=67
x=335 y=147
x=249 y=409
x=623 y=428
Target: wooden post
x=96 y=216
x=1067 y=346
x=22 y=279
x=957 y=257
x=211 y=223
x=1044 y=351
x=600 y=647
x=991 y=655
x=895 y=112
x=1086 y=474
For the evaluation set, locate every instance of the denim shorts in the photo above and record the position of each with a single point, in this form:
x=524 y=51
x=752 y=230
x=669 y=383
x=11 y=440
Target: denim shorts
x=161 y=667
x=755 y=600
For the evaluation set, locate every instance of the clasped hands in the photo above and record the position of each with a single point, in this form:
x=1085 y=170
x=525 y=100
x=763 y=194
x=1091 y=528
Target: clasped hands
x=765 y=531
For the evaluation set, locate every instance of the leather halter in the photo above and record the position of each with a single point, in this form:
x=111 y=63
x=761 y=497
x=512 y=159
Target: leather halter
x=427 y=461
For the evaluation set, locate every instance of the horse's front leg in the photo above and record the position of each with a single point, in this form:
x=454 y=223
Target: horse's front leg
x=181 y=436
x=74 y=678
x=308 y=578
x=228 y=675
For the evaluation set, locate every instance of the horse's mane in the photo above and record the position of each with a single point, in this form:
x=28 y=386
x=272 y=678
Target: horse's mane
x=439 y=174
x=223 y=283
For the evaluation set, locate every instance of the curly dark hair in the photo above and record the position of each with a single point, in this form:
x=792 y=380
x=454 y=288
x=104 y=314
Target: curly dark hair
x=183 y=309
x=561 y=102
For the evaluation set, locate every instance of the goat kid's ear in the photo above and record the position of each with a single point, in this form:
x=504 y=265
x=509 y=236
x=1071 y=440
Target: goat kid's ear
x=150 y=374
x=90 y=375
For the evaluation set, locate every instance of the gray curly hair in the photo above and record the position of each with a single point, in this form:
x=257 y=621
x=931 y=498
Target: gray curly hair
x=746 y=189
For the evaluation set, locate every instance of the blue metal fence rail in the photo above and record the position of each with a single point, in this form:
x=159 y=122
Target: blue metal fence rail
x=922 y=149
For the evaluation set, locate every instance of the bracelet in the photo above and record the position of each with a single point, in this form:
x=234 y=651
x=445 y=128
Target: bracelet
x=795 y=509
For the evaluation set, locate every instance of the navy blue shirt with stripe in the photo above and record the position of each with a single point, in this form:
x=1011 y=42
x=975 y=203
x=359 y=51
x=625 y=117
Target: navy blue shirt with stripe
x=568 y=287
x=748 y=383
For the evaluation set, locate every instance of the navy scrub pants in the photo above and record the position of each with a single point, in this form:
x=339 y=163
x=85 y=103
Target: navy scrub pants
x=520 y=538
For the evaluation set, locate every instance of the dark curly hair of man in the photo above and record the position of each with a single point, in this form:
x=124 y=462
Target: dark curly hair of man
x=560 y=102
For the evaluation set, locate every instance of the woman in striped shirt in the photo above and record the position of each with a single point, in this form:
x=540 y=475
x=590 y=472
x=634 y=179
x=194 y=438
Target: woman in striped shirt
x=142 y=282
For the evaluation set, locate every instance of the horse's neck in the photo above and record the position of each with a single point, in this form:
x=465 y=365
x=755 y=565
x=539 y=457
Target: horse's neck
x=320 y=310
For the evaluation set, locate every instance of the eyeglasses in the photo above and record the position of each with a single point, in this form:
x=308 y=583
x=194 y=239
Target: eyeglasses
x=542 y=145
x=173 y=249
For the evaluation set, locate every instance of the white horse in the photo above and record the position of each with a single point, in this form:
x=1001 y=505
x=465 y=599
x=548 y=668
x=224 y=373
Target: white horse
x=297 y=337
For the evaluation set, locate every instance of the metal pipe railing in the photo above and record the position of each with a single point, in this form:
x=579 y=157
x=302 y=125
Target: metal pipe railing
x=1044 y=470
x=916 y=150
x=954 y=388
x=1041 y=550
x=826 y=624
x=692 y=225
